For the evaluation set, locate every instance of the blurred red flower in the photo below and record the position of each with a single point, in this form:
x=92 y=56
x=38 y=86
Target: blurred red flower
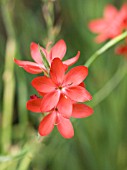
x=57 y=51
x=111 y=25
x=60 y=83
x=122 y=49
x=59 y=116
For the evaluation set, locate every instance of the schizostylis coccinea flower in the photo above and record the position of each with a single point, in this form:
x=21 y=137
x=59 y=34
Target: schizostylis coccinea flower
x=57 y=51
x=60 y=83
x=59 y=115
x=111 y=25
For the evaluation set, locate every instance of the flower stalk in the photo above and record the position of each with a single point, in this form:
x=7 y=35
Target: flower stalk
x=105 y=48
x=106 y=90
x=8 y=78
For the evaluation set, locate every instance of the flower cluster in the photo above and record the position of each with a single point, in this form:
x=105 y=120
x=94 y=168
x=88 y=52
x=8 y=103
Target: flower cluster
x=111 y=25
x=61 y=91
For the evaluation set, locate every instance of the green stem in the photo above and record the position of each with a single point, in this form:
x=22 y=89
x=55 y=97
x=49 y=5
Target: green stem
x=33 y=149
x=110 y=85
x=105 y=47
x=24 y=165
x=8 y=77
x=8 y=158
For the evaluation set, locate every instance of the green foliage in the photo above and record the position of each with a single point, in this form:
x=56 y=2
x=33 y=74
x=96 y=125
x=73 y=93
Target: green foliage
x=100 y=141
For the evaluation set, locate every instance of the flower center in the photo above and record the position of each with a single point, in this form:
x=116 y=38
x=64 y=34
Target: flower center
x=60 y=87
x=56 y=109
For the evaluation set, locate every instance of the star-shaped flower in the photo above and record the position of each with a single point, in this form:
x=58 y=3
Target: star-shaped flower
x=59 y=116
x=57 y=51
x=111 y=25
x=60 y=83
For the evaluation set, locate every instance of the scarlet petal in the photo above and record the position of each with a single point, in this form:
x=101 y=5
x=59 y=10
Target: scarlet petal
x=101 y=38
x=58 y=50
x=41 y=93
x=49 y=101
x=57 y=71
x=30 y=67
x=73 y=60
x=65 y=106
x=123 y=9
x=78 y=94
x=123 y=16
x=35 y=53
x=122 y=49
x=82 y=84
x=34 y=105
x=47 y=124
x=98 y=25
x=76 y=75
x=65 y=127
x=81 y=111
x=43 y=84
x=110 y=12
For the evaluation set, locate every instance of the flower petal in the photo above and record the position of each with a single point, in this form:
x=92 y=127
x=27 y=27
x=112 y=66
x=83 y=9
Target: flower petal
x=78 y=94
x=58 y=50
x=30 y=67
x=65 y=127
x=49 y=101
x=121 y=50
x=98 y=25
x=123 y=16
x=76 y=75
x=101 y=38
x=57 y=71
x=34 y=105
x=65 y=106
x=35 y=52
x=41 y=93
x=110 y=12
x=81 y=111
x=73 y=60
x=47 y=124
x=43 y=84
x=82 y=84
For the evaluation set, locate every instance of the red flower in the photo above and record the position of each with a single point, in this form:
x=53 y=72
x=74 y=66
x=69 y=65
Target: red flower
x=59 y=116
x=122 y=49
x=57 y=51
x=111 y=25
x=60 y=83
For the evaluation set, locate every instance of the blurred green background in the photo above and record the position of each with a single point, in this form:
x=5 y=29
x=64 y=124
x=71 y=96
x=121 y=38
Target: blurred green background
x=100 y=141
